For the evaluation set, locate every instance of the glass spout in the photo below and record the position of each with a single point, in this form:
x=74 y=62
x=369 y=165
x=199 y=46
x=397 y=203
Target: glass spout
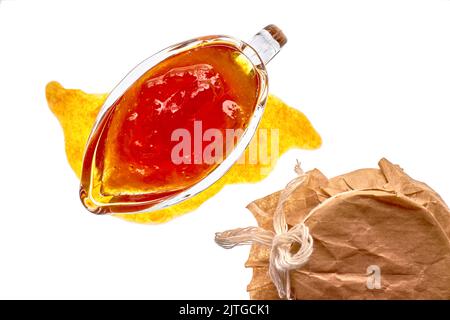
x=267 y=43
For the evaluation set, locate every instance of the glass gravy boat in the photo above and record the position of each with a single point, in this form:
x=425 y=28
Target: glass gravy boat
x=257 y=53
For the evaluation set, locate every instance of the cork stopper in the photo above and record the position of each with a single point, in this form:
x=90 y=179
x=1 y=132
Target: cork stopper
x=277 y=34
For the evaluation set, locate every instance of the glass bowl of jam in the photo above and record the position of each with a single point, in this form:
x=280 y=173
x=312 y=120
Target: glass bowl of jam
x=177 y=123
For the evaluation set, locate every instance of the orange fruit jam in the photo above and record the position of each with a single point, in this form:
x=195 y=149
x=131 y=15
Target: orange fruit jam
x=129 y=163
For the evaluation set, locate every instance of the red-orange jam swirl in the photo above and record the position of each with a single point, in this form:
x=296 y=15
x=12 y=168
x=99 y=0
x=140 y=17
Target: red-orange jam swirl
x=130 y=157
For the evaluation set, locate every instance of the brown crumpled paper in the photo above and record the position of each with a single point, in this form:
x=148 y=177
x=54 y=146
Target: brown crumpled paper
x=364 y=220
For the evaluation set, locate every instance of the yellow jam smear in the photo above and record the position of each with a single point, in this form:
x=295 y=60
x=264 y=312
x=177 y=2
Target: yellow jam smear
x=76 y=111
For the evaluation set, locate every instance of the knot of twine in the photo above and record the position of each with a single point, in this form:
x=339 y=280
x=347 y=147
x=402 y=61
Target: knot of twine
x=283 y=243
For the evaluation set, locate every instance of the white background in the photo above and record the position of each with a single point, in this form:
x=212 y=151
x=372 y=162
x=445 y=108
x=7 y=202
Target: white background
x=373 y=77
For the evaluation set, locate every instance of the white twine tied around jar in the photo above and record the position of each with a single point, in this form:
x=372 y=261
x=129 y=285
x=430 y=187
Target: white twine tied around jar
x=282 y=259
